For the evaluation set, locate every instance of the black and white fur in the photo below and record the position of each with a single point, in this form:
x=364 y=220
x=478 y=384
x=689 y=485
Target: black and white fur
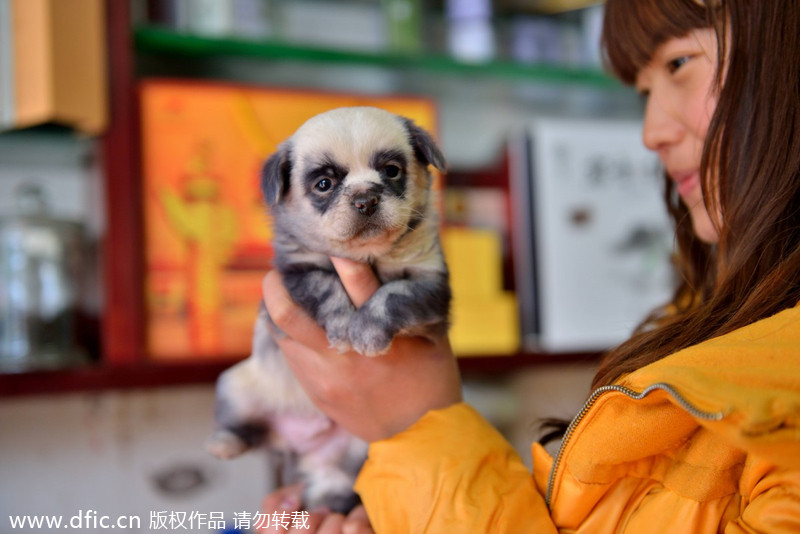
x=353 y=183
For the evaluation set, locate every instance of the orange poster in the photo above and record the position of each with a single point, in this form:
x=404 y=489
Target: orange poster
x=207 y=231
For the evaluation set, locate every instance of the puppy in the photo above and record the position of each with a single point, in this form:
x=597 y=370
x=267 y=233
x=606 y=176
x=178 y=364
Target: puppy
x=352 y=183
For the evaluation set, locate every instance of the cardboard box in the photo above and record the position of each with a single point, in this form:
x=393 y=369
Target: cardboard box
x=484 y=318
x=53 y=64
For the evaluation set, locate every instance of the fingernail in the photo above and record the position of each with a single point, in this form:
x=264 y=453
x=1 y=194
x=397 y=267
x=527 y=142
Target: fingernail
x=341 y=264
x=290 y=503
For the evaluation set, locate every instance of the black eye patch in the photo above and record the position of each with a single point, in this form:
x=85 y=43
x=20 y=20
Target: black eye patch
x=391 y=165
x=322 y=183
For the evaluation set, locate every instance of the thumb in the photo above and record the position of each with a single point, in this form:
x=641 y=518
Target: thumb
x=359 y=279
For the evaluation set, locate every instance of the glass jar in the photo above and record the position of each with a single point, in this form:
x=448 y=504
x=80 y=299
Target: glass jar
x=40 y=265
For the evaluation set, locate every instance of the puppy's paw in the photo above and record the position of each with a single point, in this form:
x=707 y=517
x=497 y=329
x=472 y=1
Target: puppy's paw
x=369 y=335
x=337 y=332
x=225 y=445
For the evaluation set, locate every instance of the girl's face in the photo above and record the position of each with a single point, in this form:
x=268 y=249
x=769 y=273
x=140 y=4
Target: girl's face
x=678 y=85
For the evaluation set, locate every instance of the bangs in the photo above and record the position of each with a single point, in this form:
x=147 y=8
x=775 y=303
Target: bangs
x=633 y=29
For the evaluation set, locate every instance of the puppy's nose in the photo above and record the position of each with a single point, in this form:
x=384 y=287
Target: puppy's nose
x=366 y=204
x=367 y=201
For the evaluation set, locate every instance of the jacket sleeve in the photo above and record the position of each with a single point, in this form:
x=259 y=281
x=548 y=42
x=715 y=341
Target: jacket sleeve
x=451 y=472
x=771 y=500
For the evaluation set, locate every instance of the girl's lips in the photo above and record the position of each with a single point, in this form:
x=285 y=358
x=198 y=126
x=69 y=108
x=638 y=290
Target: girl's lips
x=687 y=181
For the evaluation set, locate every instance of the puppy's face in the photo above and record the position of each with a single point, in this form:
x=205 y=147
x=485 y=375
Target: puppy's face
x=350 y=182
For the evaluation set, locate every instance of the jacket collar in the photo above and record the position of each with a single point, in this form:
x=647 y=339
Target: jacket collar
x=751 y=376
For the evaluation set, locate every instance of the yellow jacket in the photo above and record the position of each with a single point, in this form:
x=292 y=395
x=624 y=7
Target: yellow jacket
x=704 y=441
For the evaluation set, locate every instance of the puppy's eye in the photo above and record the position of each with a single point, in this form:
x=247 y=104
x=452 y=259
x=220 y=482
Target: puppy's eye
x=324 y=185
x=392 y=171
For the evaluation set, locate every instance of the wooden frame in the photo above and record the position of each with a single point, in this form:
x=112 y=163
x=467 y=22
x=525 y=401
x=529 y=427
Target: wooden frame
x=123 y=321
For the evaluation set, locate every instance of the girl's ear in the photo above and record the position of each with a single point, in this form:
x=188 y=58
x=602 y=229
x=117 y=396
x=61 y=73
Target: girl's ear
x=276 y=174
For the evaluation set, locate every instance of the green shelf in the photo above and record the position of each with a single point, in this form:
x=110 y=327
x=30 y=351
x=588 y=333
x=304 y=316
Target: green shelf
x=162 y=41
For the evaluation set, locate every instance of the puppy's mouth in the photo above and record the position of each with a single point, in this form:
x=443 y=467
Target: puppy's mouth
x=370 y=234
x=377 y=231
x=369 y=229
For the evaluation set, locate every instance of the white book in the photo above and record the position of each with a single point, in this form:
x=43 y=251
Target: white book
x=601 y=238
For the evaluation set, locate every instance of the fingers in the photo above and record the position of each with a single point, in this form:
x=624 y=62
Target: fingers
x=294 y=322
x=332 y=524
x=357 y=522
x=358 y=280
x=286 y=499
x=360 y=394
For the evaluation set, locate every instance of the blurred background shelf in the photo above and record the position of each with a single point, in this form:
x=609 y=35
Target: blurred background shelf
x=161 y=41
x=103 y=377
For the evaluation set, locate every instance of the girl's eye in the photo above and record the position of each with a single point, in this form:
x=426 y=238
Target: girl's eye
x=324 y=185
x=392 y=171
x=677 y=63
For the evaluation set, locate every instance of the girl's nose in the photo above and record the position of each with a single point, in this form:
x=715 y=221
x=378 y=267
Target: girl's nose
x=661 y=128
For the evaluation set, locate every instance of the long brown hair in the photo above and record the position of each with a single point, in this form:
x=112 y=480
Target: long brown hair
x=753 y=154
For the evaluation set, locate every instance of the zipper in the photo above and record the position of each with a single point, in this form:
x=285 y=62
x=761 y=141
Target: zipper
x=682 y=402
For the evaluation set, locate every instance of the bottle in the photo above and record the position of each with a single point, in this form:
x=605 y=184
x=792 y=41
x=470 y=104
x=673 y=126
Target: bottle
x=40 y=261
x=470 y=32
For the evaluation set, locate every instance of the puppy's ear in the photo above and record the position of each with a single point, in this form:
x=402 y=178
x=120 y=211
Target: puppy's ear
x=425 y=148
x=275 y=175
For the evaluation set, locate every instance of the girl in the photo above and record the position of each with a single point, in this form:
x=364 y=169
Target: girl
x=693 y=424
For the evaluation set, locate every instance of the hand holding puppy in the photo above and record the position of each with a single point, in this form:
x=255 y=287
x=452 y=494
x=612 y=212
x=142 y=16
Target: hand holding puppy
x=374 y=398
